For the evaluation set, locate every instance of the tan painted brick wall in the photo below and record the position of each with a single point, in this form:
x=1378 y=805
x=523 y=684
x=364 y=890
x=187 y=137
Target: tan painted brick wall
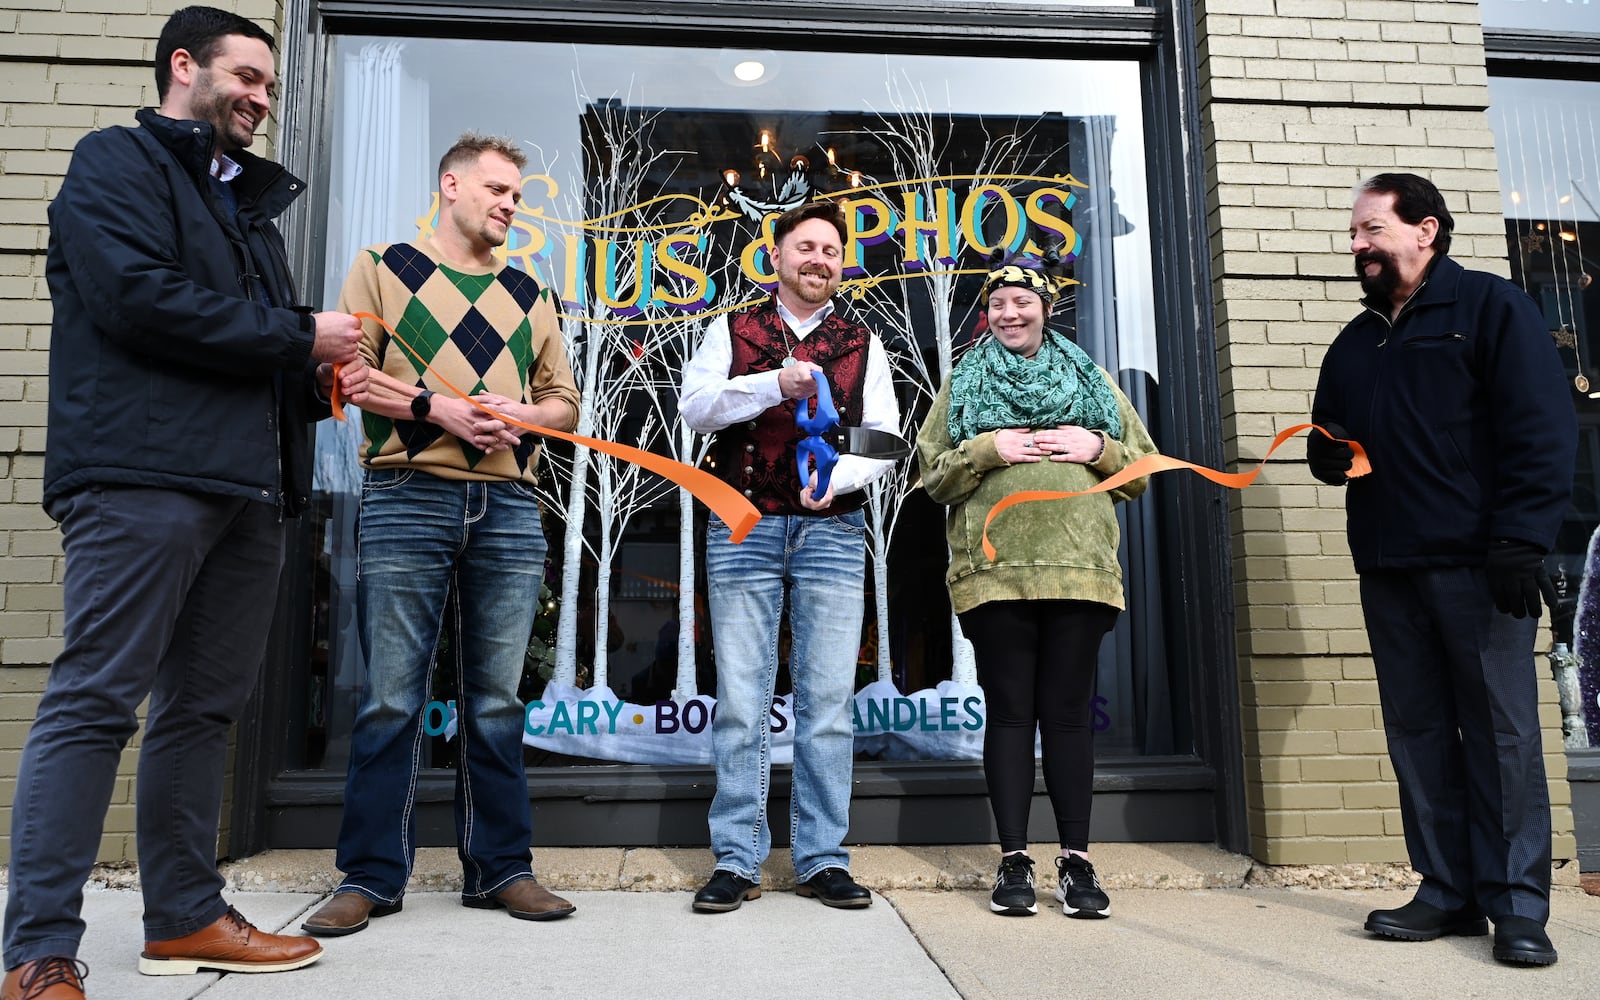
x=1301 y=99
x=67 y=67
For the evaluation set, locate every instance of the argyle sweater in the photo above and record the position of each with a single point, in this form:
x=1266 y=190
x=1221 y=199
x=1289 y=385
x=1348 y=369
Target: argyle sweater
x=488 y=330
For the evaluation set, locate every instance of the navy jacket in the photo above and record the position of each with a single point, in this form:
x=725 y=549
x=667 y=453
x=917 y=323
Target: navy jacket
x=1462 y=405
x=166 y=368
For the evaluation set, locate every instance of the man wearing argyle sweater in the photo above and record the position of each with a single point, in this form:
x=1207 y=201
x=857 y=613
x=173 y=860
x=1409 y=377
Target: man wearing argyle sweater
x=448 y=503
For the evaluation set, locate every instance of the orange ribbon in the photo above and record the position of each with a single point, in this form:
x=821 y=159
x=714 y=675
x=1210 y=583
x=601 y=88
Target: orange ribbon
x=725 y=501
x=1359 y=466
x=335 y=397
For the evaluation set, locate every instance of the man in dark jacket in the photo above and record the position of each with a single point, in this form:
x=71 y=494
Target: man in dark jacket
x=1451 y=381
x=182 y=373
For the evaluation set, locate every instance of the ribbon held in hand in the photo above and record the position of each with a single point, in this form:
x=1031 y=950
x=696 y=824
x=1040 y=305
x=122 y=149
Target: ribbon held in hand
x=725 y=501
x=1149 y=464
x=817 y=422
x=335 y=397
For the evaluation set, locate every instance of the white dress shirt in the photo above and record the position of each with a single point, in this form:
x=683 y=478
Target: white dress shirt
x=711 y=400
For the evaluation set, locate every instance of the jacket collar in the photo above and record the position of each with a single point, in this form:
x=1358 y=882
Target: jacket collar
x=1440 y=284
x=262 y=185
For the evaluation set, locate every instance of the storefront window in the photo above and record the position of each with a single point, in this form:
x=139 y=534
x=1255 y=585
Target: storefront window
x=1547 y=138
x=652 y=172
x=1556 y=16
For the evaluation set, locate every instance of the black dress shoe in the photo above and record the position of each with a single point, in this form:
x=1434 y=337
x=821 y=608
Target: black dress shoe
x=725 y=892
x=1419 y=921
x=1522 y=941
x=835 y=887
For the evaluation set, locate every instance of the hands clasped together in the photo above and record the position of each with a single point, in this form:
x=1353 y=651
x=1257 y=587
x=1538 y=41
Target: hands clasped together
x=1067 y=443
x=481 y=430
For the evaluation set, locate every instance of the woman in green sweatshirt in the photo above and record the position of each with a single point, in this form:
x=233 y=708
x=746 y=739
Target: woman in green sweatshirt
x=1026 y=409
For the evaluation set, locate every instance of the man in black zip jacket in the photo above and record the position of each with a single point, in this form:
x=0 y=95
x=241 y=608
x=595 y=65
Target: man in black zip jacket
x=182 y=375
x=1451 y=381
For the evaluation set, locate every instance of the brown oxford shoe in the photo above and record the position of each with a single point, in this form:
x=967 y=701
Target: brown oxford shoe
x=231 y=944
x=526 y=899
x=346 y=913
x=52 y=978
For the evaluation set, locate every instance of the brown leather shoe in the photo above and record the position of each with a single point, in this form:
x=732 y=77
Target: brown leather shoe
x=52 y=978
x=346 y=913
x=526 y=899
x=231 y=944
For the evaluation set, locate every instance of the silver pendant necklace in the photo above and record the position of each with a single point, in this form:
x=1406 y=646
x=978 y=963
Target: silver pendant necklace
x=788 y=358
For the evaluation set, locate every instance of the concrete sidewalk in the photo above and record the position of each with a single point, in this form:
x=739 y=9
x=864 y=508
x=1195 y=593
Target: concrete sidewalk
x=1227 y=928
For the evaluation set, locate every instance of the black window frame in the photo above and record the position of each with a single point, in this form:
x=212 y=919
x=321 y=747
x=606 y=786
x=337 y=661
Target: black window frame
x=1189 y=797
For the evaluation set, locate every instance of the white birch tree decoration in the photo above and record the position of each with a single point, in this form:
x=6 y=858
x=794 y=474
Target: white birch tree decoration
x=606 y=362
x=916 y=144
x=627 y=341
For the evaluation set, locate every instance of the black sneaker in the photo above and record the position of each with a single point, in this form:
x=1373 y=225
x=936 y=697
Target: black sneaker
x=1013 y=887
x=1079 y=891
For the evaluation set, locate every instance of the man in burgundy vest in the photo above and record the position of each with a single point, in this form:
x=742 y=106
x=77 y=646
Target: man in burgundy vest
x=744 y=383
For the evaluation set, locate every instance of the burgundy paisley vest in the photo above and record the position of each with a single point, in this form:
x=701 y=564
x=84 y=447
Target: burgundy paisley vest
x=757 y=457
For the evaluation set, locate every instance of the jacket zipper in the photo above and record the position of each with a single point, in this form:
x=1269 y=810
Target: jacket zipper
x=1377 y=381
x=278 y=384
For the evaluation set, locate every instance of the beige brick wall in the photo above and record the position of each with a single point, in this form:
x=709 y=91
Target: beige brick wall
x=1301 y=99
x=67 y=67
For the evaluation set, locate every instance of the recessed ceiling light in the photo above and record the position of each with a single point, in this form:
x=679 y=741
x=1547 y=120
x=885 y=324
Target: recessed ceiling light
x=749 y=71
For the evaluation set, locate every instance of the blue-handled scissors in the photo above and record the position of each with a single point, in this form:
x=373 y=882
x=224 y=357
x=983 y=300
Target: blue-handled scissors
x=825 y=440
x=817 y=422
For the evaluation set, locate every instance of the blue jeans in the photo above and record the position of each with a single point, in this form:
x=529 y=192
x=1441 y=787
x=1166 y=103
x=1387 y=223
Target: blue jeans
x=168 y=594
x=821 y=562
x=420 y=536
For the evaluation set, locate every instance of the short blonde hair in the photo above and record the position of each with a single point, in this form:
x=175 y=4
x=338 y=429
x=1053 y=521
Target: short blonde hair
x=472 y=145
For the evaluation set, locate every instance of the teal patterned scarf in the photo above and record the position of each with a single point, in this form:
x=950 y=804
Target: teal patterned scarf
x=993 y=388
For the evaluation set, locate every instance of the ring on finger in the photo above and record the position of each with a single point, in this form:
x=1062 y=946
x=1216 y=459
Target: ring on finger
x=1028 y=443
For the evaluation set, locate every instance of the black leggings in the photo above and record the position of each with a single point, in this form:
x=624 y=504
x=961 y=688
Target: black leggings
x=1036 y=663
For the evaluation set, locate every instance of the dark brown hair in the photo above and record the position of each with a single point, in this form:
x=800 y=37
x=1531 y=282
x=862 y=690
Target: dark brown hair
x=200 y=31
x=1415 y=199
x=828 y=211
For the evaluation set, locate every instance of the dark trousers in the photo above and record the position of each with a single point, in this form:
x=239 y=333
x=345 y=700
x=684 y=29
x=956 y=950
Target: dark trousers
x=1461 y=711
x=167 y=595
x=1036 y=664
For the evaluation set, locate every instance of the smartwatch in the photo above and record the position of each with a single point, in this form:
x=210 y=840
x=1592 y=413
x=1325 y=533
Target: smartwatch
x=421 y=403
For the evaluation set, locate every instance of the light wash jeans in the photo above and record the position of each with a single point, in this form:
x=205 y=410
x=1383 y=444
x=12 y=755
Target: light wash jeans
x=821 y=562
x=419 y=535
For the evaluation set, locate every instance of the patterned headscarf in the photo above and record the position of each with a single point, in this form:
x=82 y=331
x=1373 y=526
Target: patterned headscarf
x=1024 y=272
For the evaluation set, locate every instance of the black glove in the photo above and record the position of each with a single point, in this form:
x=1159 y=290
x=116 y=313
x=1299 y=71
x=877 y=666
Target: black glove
x=1329 y=460
x=1514 y=568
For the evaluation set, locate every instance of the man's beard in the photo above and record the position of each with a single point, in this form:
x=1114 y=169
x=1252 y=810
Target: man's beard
x=1383 y=284
x=217 y=110
x=804 y=292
